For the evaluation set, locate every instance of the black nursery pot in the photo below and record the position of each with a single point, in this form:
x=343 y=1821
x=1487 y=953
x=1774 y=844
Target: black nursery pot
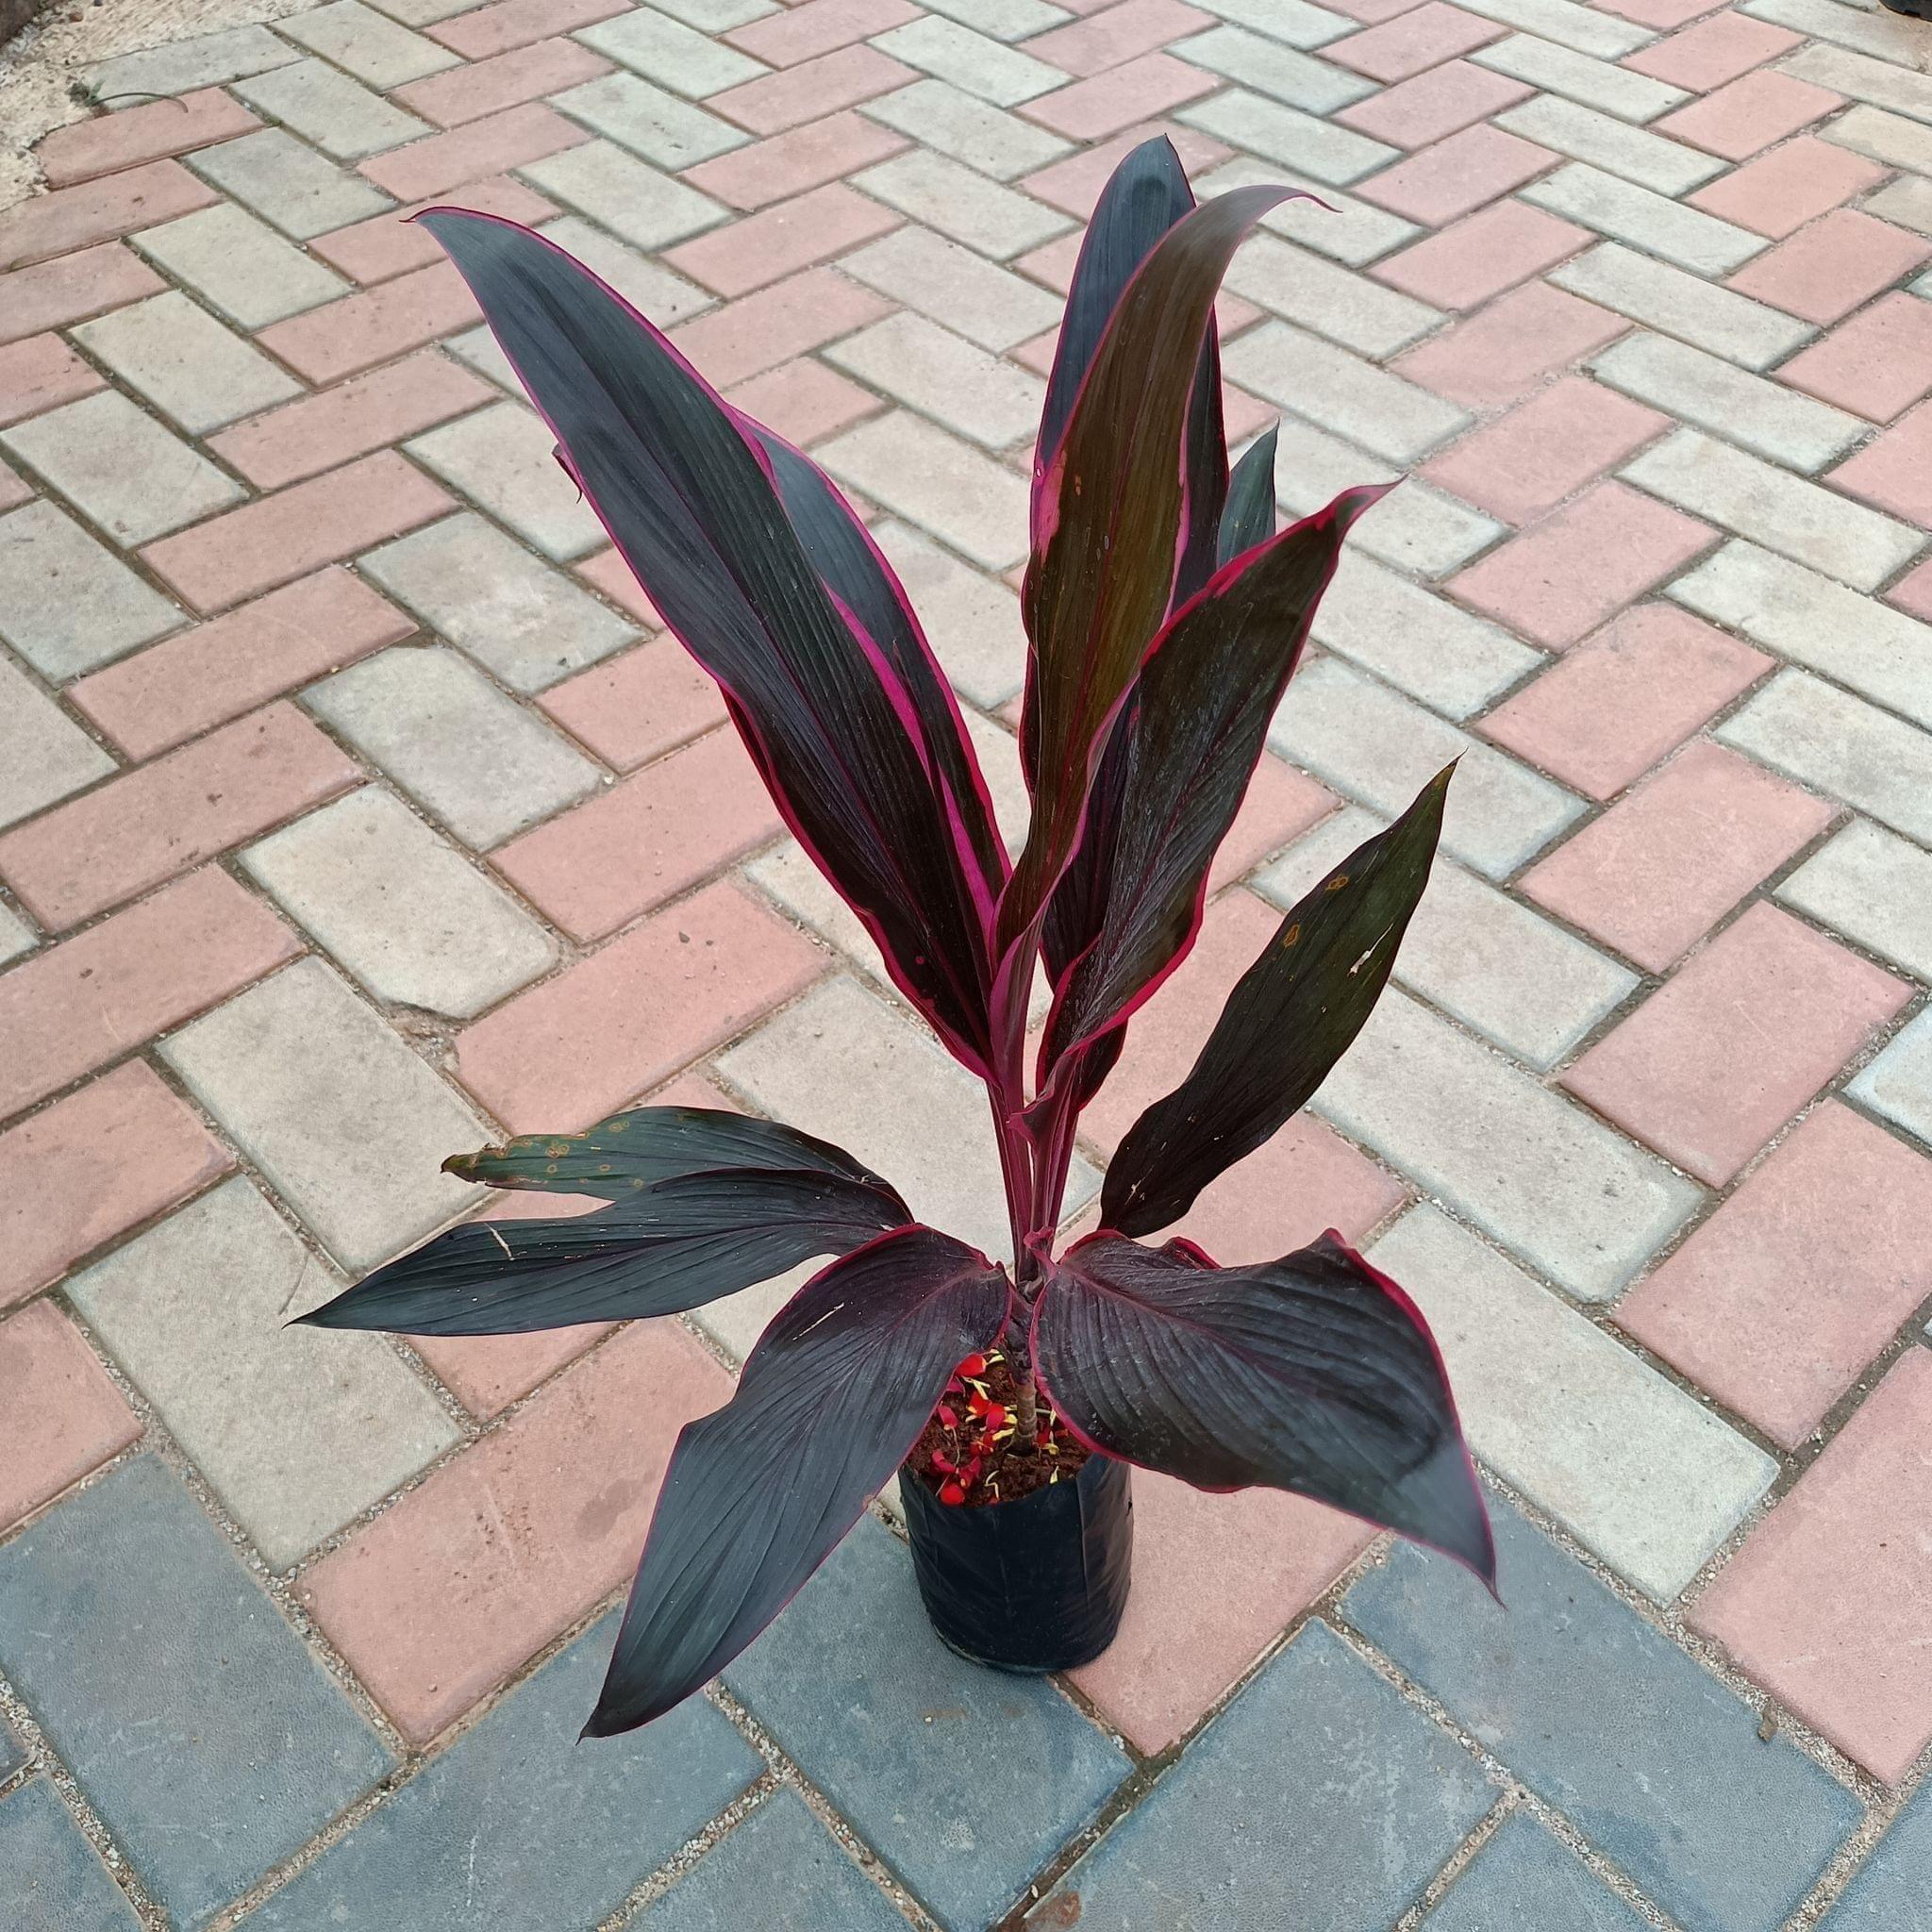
x=1035 y=1585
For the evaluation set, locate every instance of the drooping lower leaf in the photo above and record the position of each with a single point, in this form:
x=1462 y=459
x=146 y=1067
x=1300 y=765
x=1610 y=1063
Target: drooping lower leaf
x=1248 y=518
x=674 y=1246
x=1291 y=1017
x=1314 y=1373
x=757 y=1494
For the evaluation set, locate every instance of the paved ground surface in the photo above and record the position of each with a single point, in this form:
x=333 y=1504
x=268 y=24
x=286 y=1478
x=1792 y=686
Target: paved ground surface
x=354 y=812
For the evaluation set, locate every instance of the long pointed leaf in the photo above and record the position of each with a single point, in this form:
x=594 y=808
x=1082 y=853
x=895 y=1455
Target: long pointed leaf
x=757 y=1494
x=675 y=1246
x=1249 y=516
x=1290 y=1018
x=1314 y=1373
x=691 y=500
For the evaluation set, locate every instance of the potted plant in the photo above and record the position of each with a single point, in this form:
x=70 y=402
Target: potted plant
x=1165 y=616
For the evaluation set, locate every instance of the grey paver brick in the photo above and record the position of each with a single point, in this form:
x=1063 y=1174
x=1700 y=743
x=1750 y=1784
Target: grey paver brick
x=990 y=218
x=1300 y=287
x=411 y=919
x=1904 y=90
x=663 y=127
x=1321 y=217
x=1811 y=620
x=1579 y=1203
x=1634 y=1468
x=245 y=1746
x=824 y=1892
x=1898 y=1084
x=847 y=1681
x=1651 y=160
x=670 y=53
x=529 y=624
x=1894 y=139
x=644 y=208
x=369 y=45
x=1653 y=221
x=1285 y=74
x=241 y=265
x=1476 y=953
x=518 y=1825
x=932 y=478
x=503 y=458
x=1875 y=889
x=648 y=286
x=1763 y=416
x=297 y=1429
x=50 y=1877
x=971 y=620
x=482 y=764
x=1317 y=1798
x=1654 y=1761
x=1582 y=28
x=716 y=16
x=1796 y=517
x=1380 y=749
x=67 y=604
x=1295 y=22
x=1304 y=142
x=1836 y=743
x=16 y=937
x=350 y=1128
x=1667 y=299
x=128 y=475
x=12 y=1751
x=186 y=363
x=976 y=395
x=481 y=350
x=1894 y=1882
x=1869 y=31
x=1005 y=19
x=1342 y=392
x=1581 y=77
x=1523 y=1877
x=285 y=181
x=973 y=61
x=182 y=66
x=421 y=12
x=970 y=131
x=323 y=104
x=975 y=298
x=43 y=754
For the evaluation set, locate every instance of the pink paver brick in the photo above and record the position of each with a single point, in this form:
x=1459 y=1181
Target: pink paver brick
x=1894 y=469
x=637 y=706
x=512 y=24
x=303 y=438
x=158 y=820
x=804 y=401
x=774 y=101
x=1279 y=804
x=800 y=159
x=650 y=837
x=818 y=27
x=1658 y=869
x=1826 y=1605
x=443 y=1595
x=90 y=1168
x=341 y=338
x=1261 y=1556
x=220 y=669
x=1745 y=115
x=1436 y=184
x=1505 y=349
x=782 y=239
x=1713 y=52
x=1824 y=272
x=70 y=218
x=1116 y=35
x=442 y=161
x=107 y=143
x=69 y=1009
x=1780 y=192
x=1422 y=37
x=1565 y=575
x=608 y=575
x=1913 y=592
x=285 y=536
x=64 y=1415
x=53 y=293
x=1710 y=1067
x=1781 y=1300
x=391 y=244
x=459 y=95
x=773 y=325
x=1433 y=105
x=42 y=372
x=1875 y=365
x=1606 y=712
x=633 y=1013
x=1463 y=265
x=1103 y=104
x=1545 y=449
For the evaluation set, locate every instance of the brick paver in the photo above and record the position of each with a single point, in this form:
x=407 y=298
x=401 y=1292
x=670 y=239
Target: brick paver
x=354 y=808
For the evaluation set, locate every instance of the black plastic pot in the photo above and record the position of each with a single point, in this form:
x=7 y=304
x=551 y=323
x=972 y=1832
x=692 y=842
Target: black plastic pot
x=1033 y=1585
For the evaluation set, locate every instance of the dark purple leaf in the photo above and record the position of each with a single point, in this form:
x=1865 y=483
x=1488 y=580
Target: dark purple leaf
x=1290 y=1018
x=1249 y=516
x=757 y=1494
x=1314 y=1373
x=845 y=744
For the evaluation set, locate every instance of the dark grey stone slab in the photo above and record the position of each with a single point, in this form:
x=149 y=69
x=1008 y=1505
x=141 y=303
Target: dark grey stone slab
x=51 y=1879
x=1524 y=1878
x=1892 y=1891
